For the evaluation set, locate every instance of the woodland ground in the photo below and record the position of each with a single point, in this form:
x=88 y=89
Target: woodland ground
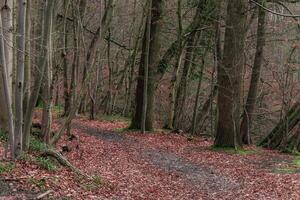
x=157 y=165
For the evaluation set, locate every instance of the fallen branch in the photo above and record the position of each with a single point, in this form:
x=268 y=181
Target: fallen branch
x=63 y=161
x=44 y=194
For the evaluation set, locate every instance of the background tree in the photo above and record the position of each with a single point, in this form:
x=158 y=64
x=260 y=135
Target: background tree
x=230 y=75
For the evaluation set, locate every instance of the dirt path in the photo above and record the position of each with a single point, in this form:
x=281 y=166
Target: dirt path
x=200 y=176
x=168 y=166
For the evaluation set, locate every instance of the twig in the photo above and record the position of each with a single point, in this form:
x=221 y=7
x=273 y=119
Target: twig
x=44 y=194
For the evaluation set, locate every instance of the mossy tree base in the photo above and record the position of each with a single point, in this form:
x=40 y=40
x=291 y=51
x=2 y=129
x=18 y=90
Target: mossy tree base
x=281 y=137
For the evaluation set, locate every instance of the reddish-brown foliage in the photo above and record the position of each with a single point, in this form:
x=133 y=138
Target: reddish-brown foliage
x=158 y=166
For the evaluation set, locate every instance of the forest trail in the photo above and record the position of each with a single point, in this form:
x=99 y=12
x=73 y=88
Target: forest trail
x=169 y=166
x=200 y=176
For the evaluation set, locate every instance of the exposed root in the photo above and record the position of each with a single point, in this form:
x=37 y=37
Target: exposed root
x=64 y=162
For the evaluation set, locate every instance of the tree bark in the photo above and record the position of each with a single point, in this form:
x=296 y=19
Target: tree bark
x=229 y=77
x=7 y=121
x=155 y=31
x=204 y=111
x=174 y=81
x=7 y=22
x=65 y=61
x=50 y=5
x=20 y=78
x=146 y=66
x=47 y=96
x=27 y=67
x=252 y=94
x=194 y=120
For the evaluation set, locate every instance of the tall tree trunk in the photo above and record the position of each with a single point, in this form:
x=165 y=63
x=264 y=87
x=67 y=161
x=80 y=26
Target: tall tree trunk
x=174 y=81
x=7 y=121
x=77 y=28
x=229 y=76
x=20 y=78
x=146 y=67
x=204 y=111
x=155 y=31
x=47 y=96
x=42 y=65
x=189 y=57
x=7 y=22
x=27 y=67
x=252 y=94
x=65 y=60
x=194 y=120
x=132 y=62
x=108 y=109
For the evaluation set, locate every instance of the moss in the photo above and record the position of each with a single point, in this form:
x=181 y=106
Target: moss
x=296 y=161
x=292 y=168
x=230 y=150
x=286 y=170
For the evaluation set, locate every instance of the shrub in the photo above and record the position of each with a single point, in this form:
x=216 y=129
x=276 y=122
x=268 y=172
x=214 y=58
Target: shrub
x=37 y=145
x=46 y=163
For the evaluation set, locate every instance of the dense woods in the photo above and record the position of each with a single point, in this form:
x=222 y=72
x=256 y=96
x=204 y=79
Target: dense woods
x=226 y=71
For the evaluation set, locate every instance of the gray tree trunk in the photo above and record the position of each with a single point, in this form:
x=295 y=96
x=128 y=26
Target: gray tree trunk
x=50 y=5
x=20 y=78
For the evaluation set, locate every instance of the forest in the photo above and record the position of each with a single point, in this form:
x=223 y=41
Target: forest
x=150 y=99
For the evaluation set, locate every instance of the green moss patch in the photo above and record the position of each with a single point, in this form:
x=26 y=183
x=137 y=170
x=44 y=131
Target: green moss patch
x=238 y=151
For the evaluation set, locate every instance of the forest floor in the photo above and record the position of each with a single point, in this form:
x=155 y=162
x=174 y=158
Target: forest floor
x=157 y=165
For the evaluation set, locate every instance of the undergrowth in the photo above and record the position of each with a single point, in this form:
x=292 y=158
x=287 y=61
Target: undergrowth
x=37 y=145
x=6 y=167
x=45 y=163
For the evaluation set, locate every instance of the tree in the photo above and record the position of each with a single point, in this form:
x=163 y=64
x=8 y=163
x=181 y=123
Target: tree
x=229 y=76
x=155 y=31
x=174 y=82
x=50 y=5
x=252 y=94
x=7 y=121
x=20 y=77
